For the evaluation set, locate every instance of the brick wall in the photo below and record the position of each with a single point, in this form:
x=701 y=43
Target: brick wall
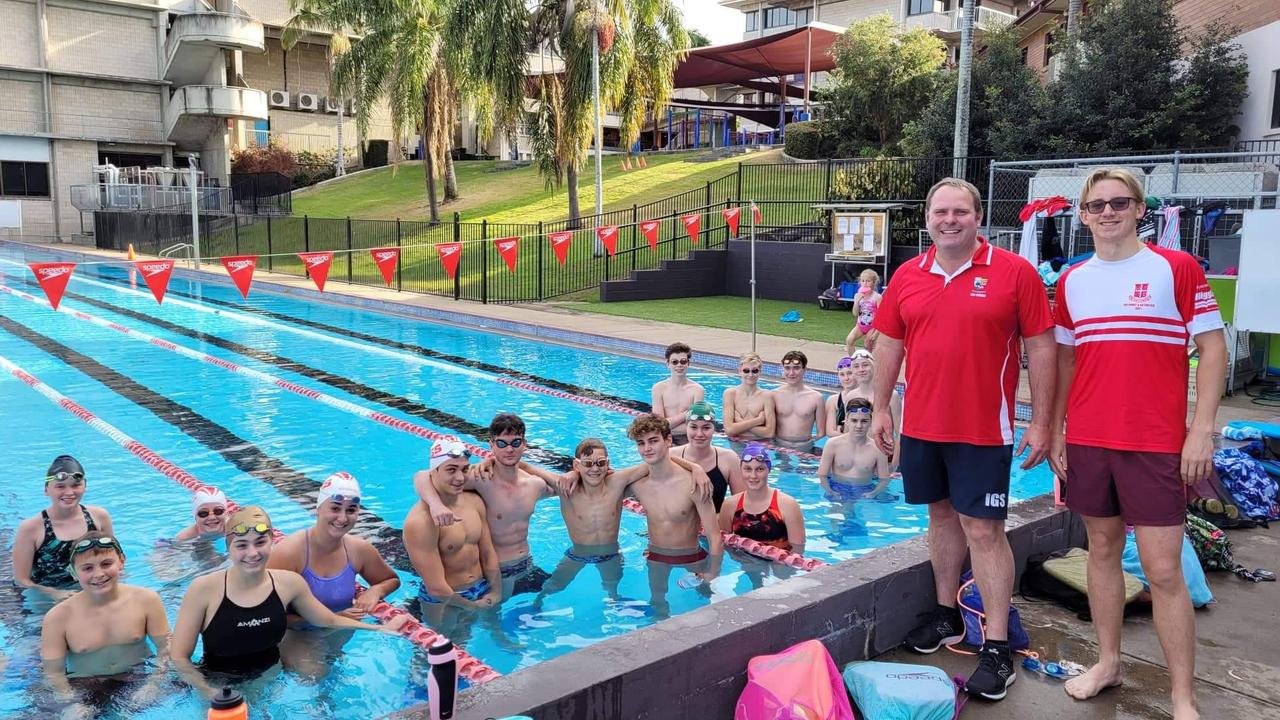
x=307 y=69
x=74 y=160
x=89 y=108
x=21 y=105
x=37 y=219
x=846 y=12
x=19 y=35
x=108 y=41
x=1245 y=15
x=274 y=13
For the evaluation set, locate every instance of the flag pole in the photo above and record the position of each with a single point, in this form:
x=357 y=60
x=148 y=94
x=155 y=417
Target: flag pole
x=753 y=276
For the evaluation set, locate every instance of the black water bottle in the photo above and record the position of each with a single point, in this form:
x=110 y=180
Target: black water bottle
x=442 y=683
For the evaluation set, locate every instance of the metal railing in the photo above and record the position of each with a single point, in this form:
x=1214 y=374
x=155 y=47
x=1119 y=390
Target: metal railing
x=88 y=127
x=142 y=197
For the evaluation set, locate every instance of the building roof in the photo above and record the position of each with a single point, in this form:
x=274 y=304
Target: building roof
x=770 y=56
x=1039 y=15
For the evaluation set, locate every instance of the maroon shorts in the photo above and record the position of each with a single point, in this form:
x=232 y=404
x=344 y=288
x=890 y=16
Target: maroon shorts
x=1143 y=488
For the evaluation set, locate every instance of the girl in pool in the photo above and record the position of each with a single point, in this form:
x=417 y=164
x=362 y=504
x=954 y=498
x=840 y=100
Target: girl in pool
x=865 y=304
x=761 y=512
x=104 y=628
x=856 y=375
x=209 y=508
x=241 y=613
x=722 y=464
x=42 y=544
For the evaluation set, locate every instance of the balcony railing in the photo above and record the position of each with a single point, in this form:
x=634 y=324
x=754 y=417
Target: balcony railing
x=952 y=21
x=130 y=196
x=202 y=34
x=215 y=101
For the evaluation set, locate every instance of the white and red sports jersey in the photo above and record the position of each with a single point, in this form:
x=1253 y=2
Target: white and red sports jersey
x=962 y=333
x=1130 y=321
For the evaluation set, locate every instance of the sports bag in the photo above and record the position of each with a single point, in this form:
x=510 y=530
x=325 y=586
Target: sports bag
x=799 y=683
x=975 y=620
x=1249 y=484
x=896 y=691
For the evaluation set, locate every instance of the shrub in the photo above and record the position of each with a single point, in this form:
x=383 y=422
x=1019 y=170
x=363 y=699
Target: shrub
x=873 y=179
x=804 y=140
x=272 y=157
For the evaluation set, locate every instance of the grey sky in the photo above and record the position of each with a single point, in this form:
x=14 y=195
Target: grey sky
x=721 y=25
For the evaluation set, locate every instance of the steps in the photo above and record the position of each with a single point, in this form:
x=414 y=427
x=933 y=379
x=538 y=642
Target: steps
x=699 y=275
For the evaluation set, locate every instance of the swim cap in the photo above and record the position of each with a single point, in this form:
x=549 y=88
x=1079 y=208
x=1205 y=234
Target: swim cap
x=207 y=495
x=701 y=410
x=844 y=362
x=63 y=464
x=340 y=487
x=756 y=451
x=249 y=518
x=446 y=449
x=861 y=353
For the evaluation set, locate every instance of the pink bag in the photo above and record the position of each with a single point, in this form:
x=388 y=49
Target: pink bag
x=799 y=683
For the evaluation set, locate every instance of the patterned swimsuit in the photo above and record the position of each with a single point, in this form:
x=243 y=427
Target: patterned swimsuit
x=49 y=567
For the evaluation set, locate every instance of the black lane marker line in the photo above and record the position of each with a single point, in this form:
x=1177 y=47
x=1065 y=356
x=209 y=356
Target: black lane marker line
x=438 y=417
x=417 y=350
x=245 y=455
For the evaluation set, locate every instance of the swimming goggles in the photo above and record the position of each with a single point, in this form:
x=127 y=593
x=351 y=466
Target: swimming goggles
x=218 y=511
x=63 y=476
x=593 y=463
x=98 y=543
x=860 y=353
x=500 y=443
x=340 y=499
x=844 y=363
x=1061 y=671
x=856 y=410
x=244 y=528
x=708 y=416
x=760 y=455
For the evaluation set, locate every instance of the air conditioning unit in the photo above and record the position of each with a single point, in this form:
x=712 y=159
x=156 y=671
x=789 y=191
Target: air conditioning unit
x=308 y=102
x=278 y=99
x=332 y=104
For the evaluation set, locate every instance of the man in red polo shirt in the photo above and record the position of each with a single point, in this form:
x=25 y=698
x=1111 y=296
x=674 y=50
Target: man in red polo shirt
x=1123 y=321
x=957 y=313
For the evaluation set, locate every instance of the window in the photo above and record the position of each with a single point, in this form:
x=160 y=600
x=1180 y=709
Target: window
x=1275 y=99
x=778 y=17
x=919 y=7
x=24 y=179
x=753 y=20
x=803 y=16
x=1025 y=55
x=1048 y=48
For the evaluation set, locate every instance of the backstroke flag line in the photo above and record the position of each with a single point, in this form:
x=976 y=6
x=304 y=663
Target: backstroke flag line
x=240 y=268
x=386 y=259
x=560 y=242
x=317 y=264
x=156 y=273
x=53 y=278
x=450 y=254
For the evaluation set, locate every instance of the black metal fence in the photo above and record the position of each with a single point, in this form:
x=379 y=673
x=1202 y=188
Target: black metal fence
x=263 y=193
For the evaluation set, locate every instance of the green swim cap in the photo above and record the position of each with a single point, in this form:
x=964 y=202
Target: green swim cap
x=701 y=410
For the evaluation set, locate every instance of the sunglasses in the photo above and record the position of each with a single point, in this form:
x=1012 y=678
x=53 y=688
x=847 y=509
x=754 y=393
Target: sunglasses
x=218 y=511
x=340 y=499
x=750 y=371
x=505 y=443
x=593 y=463
x=244 y=528
x=64 y=476
x=679 y=361
x=1117 y=204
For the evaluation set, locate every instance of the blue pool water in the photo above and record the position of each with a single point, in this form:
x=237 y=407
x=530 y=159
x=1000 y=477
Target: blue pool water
x=230 y=415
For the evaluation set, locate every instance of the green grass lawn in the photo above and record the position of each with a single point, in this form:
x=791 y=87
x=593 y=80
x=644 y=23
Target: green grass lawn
x=513 y=196
x=733 y=313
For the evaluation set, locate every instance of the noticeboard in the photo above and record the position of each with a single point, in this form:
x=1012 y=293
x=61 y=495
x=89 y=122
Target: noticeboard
x=857 y=234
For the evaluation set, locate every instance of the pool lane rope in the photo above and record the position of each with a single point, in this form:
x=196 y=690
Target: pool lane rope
x=749 y=546
x=469 y=666
x=448 y=367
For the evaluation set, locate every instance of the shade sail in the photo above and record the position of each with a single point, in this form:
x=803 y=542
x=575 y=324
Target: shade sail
x=770 y=56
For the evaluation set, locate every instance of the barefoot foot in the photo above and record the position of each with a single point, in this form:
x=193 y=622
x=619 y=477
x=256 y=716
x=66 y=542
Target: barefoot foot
x=1095 y=680
x=1185 y=711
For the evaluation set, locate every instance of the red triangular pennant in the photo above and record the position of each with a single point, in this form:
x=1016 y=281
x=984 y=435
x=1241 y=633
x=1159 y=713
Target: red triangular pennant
x=755 y=213
x=608 y=235
x=240 y=268
x=508 y=248
x=731 y=216
x=649 y=228
x=692 y=224
x=386 y=259
x=317 y=264
x=53 y=278
x=450 y=254
x=156 y=273
x=560 y=242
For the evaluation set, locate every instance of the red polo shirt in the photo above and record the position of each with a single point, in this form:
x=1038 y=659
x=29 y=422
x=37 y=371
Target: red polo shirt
x=961 y=335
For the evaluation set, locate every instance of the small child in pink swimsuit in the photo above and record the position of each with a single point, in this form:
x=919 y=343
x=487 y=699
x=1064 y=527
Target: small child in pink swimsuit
x=865 y=304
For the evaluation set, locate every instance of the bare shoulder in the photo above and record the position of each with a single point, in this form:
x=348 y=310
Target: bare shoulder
x=291 y=581
x=143 y=597
x=473 y=501
x=660 y=386
x=28 y=527
x=99 y=514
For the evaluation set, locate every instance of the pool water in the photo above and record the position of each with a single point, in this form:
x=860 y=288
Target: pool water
x=262 y=444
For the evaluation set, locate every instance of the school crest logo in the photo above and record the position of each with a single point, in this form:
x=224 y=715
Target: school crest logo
x=979 y=287
x=1140 y=297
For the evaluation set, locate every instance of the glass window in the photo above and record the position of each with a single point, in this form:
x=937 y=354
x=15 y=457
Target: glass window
x=1024 y=55
x=804 y=15
x=919 y=7
x=753 y=20
x=778 y=17
x=37 y=179
x=1275 y=99
x=13 y=179
x=1048 y=48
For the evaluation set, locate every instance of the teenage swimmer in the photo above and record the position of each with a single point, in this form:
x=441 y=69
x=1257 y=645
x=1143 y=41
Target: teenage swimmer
x=104 y=628
x=241 y=613
x=760 y=512
x=721 y=464
x=672 y=397
x=852 y=467
x=42 y=544
x=797 y=406
x=748 y=409
x=209 y=508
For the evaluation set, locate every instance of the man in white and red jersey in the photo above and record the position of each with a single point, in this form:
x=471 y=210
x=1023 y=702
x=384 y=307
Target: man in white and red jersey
x=957 y=314
x=1123 y=321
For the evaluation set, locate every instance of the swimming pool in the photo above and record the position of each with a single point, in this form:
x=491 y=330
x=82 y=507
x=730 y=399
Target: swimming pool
x=263 y=444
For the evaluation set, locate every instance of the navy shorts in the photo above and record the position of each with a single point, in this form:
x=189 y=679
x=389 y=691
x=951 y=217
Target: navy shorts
x=975 y=478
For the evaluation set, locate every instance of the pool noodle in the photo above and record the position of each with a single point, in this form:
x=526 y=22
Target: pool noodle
x=468 y=666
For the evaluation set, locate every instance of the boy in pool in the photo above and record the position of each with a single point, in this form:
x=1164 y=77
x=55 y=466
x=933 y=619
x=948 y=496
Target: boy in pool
x=672 y=397
x=40 y=552
x=851 y=464
x=103 y=629
x=209 y=508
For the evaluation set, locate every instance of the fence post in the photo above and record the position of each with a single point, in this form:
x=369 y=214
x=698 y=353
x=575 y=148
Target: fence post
x=826 y=192
x=635 y=225
x=349 y=250
x=991 y=192
x=399 y=265
x=306 y=233
x=738 y=197
x=541 y=242
x=484 y=262
x=237 y=232
x=1177 y=168
x=268 y=243
x=457 y=276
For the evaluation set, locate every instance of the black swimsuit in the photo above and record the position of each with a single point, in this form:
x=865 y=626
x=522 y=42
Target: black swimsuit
x=719 y=485
x=244 y=640
x=49 y=565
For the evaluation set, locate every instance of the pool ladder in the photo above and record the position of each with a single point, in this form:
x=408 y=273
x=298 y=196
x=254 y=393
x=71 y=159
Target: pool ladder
x=183 y=250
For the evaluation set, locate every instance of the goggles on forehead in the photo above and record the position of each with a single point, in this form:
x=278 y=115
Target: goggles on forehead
x=63 y=476
x=96 y=543
x=759 y=455
x=709 y=417
x=857 y=410
x=244 y=528
x=340 y=499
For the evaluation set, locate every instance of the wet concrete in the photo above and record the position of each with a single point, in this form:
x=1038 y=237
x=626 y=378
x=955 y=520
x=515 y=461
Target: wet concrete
x=1237 y=654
